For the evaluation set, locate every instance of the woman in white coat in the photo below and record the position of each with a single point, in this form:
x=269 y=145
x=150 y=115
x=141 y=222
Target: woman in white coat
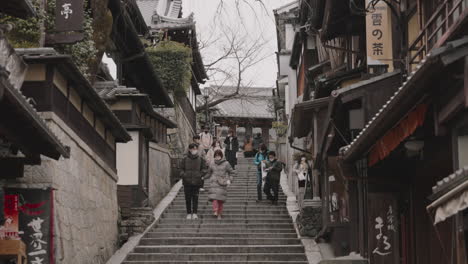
x=301 y=168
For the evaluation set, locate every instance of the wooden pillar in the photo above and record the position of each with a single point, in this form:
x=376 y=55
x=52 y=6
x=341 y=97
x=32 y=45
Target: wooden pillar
x=266 y=136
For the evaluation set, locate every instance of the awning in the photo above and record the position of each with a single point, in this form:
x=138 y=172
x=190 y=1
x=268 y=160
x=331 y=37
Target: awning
x=396 y=135
x=303 y=113
x=452 y=193
x=403 y=101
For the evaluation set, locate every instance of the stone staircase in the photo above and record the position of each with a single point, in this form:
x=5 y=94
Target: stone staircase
x=249 y=232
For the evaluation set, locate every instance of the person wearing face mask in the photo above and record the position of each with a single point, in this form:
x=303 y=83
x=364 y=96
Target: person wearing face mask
x=206 y=140
x=221 y=175
x=231 y=148
x=210 y=155
x=193 y=169
x=260 y=157
x=272 y=181
x=301 y=168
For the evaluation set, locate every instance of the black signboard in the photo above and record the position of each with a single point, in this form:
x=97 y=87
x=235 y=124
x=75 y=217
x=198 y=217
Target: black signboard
x=69 y=15
x=36 y=223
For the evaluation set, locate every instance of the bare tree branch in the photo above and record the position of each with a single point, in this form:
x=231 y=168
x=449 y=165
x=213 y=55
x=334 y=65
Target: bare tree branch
x=234 y=53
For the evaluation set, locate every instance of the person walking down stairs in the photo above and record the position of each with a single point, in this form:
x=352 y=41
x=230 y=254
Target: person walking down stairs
x=193 y=169
x=260 y=157
x=272 y=181
x=220 y=176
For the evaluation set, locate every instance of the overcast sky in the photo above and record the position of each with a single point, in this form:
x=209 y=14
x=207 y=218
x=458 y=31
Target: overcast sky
x=254 y=19
x=251 y=17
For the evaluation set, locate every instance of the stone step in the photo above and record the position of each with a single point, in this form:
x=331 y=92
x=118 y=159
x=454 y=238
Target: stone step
x=221 y=230
x=249 y=232
x=221 y=234
x=218 y=241
x=205 y=209
x=221 y=224
x=221 y=249
x=250 y=194
x=217 y=257
x=214 y=262
x=212 y=220
x=228 y=202
x=227 y=216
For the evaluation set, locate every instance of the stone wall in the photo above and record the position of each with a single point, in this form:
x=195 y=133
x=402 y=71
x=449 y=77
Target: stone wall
x=184 y=130
x=159 y=173
x=85 y=199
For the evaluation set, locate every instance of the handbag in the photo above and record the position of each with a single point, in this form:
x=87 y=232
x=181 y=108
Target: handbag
x=302 y=176
x=223 y=181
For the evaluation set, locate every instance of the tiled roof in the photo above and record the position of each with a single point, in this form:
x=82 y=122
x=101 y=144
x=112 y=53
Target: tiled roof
x=253 y=103
x=111 y=91
x=402 y=90
x=451 y=181
x=165 y=8
x=66 y=65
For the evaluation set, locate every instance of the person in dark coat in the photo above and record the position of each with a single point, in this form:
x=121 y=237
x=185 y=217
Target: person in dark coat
x=193 y=169
x=272 y=181
x=220 y=176
x=231 y=148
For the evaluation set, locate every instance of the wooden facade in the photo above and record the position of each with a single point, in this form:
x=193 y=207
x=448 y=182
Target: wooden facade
x=136 y=113
x=390 y=137
x=57 y=86
x=21 y=127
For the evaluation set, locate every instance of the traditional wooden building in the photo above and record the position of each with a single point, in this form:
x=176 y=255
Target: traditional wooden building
x=136 y=181
x=144 y=164
x=24 y=134
x=391 y=130
x=165 y=23
x=87 y=180
x=249 y=114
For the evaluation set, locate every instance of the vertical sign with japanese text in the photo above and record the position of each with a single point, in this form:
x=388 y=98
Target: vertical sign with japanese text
x=379 y=35
x=10 y=227
x=35 y=223
x=383 y=225
x=69 y=15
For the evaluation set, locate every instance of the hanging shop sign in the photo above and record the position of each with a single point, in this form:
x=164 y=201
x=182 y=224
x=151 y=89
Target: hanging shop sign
x=69 y=15
x=69 y=18
x=379 y=35
x=10 y=228
x=383 y=236
x=34 y=209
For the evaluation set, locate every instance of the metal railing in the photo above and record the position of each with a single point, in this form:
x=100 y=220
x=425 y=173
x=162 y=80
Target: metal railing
x=444 y=17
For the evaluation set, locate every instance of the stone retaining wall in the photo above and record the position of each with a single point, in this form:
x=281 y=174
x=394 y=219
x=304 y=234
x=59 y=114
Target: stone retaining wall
x=85 y=199
x=159 y=173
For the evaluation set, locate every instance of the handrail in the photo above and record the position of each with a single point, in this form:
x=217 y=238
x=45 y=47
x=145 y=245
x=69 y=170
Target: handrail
x=422 y=44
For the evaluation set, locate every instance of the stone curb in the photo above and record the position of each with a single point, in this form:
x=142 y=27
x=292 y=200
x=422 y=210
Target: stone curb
x=312 y=250
x=120 y=255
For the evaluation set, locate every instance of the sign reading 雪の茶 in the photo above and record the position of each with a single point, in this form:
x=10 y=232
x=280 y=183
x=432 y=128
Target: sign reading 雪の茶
x=379 y=35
